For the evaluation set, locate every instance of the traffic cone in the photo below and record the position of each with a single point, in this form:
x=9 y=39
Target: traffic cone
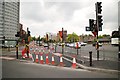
x=61 y=61
x=74 y=63
x=41 y=59
x=24 y=56
x=53 y=60
x=23 y=53
x=30 y=55
x=47 y=60
x=36 y=58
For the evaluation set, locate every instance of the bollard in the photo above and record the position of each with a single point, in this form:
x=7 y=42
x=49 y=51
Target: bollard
x=90 y=54
x=55 y=48
x=119 y=56
x=17 y=49
x=98 y=55
x=77 y=51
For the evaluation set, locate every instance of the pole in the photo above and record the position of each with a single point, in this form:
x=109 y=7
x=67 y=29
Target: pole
x=97 y=32
x=77 y=47
x=27 y=48
x=62 y=41
x=77 y=51
x=90 y=55
x=55 y=48
x=119 y=45
x=39 y=40
x=17 y=49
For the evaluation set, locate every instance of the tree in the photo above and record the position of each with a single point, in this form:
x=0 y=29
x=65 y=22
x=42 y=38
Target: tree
x=73 y=37
x=33 y=38
x=43 y=39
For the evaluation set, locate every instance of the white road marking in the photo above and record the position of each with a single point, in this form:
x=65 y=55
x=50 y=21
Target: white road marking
x=57 y=54
x=8 y=58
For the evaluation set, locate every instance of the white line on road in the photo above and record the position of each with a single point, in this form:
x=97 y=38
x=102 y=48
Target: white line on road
x=8 y=58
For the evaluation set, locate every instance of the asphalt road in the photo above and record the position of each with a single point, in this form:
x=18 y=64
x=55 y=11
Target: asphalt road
x=107 y=52
x=17 y=69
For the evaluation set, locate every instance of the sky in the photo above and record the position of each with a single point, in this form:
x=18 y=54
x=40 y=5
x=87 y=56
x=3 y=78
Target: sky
x=50 y=16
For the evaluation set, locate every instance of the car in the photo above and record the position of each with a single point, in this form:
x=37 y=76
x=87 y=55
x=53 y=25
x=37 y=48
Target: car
x=12 y=46
x=83 y=44
x=96 y=43
x=74 y=45
x=45 y=45
x=67 y=44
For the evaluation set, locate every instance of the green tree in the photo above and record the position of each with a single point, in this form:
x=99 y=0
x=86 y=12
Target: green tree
x=73 y=37
x=33 y=38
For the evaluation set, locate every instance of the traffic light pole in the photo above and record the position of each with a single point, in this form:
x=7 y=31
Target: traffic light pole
x=119 y=45
x=97 y=45
x=62 y=41
x=17 y=49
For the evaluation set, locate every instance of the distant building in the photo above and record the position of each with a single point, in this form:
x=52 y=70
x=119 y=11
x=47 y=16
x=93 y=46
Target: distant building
x=9 y=21
x=86 y=38
x=119 y=13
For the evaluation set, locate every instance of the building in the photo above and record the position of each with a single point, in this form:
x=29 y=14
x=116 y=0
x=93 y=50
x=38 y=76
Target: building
x=119 y=13
x=9 y=21
x=86 y=38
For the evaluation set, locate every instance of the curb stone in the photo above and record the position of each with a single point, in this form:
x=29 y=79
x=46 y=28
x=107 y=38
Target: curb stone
x=94 y=69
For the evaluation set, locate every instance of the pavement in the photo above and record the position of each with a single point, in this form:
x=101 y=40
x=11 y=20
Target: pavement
x=97 y=65
x=102 y=65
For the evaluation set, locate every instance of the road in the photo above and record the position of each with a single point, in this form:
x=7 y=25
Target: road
x=17 y=69
x=107 y=52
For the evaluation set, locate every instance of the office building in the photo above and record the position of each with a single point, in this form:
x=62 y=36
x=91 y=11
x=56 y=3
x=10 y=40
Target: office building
x=9 y=21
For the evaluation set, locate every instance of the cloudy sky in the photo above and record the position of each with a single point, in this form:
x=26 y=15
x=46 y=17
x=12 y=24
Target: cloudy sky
x=43 y=16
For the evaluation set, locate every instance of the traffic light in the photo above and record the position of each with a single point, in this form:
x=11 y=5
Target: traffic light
x=99 y=7
x=91 y=24
x=18 y=34
x=28 y=33
x=47 y=37
x=100 y=22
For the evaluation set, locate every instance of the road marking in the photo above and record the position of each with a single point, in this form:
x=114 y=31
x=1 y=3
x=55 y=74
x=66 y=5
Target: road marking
x=57 y=54
x=8 y=58
x=92 y=58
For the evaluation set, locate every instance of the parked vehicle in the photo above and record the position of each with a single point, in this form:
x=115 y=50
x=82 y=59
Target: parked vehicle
x=45 y=45
x=82 y=43
x=94 y=44
x=74 y=45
